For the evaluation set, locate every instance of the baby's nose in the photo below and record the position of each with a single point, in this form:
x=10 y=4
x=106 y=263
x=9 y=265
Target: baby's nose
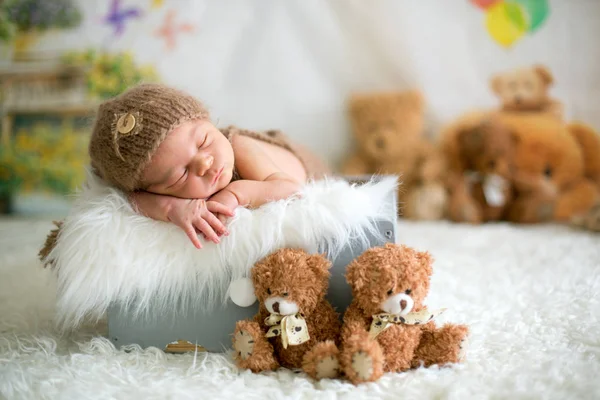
x=205 y=163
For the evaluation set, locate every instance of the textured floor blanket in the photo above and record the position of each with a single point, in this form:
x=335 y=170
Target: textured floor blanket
x=530 y=294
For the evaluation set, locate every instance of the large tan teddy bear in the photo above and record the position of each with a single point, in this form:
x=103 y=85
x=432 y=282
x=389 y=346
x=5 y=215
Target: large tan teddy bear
x=527 y=89
x=388 y=129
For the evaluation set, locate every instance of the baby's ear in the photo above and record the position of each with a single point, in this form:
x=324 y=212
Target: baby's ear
x=544 y=74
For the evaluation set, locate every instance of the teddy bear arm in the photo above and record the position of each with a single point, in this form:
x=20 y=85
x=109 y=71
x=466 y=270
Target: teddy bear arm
x=432 y=164
x=354 y=323
x=356 y=164
x=326 y=323
x=556 y=109
x=439 y=345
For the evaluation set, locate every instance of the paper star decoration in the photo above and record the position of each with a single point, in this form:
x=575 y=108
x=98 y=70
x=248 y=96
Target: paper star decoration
x=117 y=16
x=170 y=29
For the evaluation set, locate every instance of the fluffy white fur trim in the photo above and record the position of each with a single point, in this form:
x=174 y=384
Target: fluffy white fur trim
x=107 y=253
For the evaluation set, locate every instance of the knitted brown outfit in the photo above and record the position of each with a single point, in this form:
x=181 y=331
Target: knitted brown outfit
x=129 y=129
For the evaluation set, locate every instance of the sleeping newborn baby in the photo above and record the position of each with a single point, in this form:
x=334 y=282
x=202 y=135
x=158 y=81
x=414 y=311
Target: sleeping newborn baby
x=159 y=146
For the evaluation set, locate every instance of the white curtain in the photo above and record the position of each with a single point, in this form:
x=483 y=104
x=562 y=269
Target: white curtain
x=291 y=64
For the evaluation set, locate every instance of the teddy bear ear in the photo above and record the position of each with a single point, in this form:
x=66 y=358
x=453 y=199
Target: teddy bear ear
x=545 y=74
x=471 y=139
x=355 y=275
x=319 y=264
x=496 y=83
x=426 y=260
x=414 y=98
x=356 y=103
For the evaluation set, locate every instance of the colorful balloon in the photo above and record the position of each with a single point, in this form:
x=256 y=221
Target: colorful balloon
x=484 y=4
x=537 y=10
x=506 y=23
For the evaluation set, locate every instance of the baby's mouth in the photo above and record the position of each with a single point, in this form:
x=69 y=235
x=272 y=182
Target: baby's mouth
x=217 y=176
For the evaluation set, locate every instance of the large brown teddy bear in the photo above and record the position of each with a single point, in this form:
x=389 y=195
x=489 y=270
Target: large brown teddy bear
x=552 y=179
x=388 y=129
x=480 y=180
x=526 y=89
x=387 y=327
x=296 y=327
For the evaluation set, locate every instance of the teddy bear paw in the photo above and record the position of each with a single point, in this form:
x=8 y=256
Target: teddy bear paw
x=362 y=365
x=328 y=368
x=243 y=344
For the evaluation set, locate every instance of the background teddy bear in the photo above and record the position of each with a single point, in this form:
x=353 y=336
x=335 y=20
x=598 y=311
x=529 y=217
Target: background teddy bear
x=549 y=176
x=290 y=283
x=479 y=179
x=526 y=89
x=393 y=279
x=388 y=129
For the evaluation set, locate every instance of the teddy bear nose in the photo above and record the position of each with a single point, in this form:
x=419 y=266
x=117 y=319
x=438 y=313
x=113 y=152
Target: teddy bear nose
x=517 y=99
x=276 y=307
x=402 y=304
x=380 y=143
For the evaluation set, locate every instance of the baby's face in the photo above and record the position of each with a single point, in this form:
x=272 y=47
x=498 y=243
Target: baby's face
x=194 y=162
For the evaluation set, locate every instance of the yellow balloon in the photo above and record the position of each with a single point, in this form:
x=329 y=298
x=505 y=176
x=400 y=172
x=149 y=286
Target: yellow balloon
x=500 y=26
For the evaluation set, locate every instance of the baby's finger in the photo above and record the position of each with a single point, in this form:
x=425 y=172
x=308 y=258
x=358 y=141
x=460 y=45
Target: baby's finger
x=223 y=219
x=205 y=228
x=216 y=223
x=191 y=233
x=216 y=207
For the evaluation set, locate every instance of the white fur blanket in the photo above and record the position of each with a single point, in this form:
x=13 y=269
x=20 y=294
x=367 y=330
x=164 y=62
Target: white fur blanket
x=531 y=296
x=106 y=252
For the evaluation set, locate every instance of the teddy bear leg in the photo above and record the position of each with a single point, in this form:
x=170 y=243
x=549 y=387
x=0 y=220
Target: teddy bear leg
x=531 y=209
x=463 y=208
x=579 y=199
x=362 y=359
x=441 y=345
x=426 y=202
x=322 y=361
x=252 y=350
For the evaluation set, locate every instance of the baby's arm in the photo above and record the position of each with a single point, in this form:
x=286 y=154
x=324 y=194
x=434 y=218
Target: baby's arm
x=263 y=181
x=191 y=215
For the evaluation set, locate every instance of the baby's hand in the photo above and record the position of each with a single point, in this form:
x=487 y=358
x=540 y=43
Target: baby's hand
x=227 y=199
x=193 y=215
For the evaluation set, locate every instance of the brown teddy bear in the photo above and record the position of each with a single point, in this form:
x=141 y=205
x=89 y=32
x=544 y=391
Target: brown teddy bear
x=387 y=327
x=526 y=89
x=296 y=327
x=388 y=128
x=550 y=170
x=480 y=180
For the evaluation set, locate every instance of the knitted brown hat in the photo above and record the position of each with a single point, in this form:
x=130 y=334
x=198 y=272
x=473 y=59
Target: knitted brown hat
x=130 y=127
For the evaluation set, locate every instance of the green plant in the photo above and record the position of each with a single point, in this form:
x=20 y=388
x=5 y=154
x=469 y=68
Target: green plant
x=8 y=29
x=41 y=15
x=44 y=159
x=109 y=74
